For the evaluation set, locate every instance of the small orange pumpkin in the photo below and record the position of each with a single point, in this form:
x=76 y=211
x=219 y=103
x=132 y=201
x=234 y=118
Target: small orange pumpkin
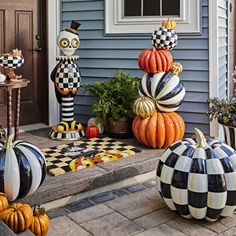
x=40 y=223
x=169 y=24
x=18 y=217
x=159 y=130
x=155 y=61
x=3 y=202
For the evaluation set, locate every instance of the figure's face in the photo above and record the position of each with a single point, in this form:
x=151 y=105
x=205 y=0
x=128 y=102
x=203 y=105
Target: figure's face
x=68 y=42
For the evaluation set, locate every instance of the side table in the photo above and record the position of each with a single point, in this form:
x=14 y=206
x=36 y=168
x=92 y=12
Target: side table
x=9 y=86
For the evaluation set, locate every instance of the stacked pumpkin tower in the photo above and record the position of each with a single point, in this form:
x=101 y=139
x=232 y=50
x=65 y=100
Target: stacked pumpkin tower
x=161 y=92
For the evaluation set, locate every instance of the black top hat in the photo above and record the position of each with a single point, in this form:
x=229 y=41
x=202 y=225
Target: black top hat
x=74 y=27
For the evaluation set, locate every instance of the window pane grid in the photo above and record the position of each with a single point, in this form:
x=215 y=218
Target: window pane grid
x=147 y=8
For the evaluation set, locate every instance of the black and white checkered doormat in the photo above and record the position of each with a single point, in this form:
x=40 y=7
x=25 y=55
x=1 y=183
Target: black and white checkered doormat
x=85 y=153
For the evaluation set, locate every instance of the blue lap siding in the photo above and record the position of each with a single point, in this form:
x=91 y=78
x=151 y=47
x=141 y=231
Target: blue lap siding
x=101 y=56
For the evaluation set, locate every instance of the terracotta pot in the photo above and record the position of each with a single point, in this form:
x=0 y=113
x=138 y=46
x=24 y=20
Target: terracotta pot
x=230 y=135
x=120 y=128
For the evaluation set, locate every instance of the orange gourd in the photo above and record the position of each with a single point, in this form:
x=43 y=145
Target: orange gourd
x=40 y=224
x=18 y=217
x=155 y=61
x=3 y=202
x=159 y=130
x=169 y=24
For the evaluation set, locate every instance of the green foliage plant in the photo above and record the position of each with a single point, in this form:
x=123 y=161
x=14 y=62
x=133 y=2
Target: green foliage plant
x=224 y=110
x=115 y=97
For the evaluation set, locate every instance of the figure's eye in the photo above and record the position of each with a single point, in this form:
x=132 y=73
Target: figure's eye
x=75 y=43
x=64 y=43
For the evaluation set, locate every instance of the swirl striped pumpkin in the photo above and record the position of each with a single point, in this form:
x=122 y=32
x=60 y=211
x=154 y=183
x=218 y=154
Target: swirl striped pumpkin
x=22 y=168
x=159 y=130
x=154 y=61
x=144 y=107
x=165 y=88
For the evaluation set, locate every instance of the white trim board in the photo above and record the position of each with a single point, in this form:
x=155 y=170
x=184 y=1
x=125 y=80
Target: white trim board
x=116 y=23
x=213 y=59
x=53 y=16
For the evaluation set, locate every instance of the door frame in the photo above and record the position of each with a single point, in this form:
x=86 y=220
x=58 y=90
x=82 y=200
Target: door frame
x=53 y=28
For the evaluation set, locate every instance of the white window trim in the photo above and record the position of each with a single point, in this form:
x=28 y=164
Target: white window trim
x=115 y=23
x=53 y=25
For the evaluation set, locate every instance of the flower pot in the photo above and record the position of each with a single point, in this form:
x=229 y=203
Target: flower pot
x=230 y=135
x=120 y=128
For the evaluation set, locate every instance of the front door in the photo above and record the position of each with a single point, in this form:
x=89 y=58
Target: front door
x=22 y=27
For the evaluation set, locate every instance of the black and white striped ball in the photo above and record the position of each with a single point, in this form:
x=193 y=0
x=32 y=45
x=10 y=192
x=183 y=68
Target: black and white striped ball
x=165 y=88
x=198 y=181
x=22 y=169
x=164 y=38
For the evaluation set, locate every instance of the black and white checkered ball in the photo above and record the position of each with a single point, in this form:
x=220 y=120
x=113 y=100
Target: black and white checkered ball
x=165 y=89
x=198 y=182
x=11 y=61
x=164 y=38
x=67 y=77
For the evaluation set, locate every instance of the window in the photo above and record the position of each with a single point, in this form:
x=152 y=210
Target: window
x=143 y=16
x=145 y=8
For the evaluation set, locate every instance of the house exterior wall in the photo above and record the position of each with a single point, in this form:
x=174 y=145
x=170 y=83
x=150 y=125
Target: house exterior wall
x=101 y=56
x=231 y=17
x=223 y=47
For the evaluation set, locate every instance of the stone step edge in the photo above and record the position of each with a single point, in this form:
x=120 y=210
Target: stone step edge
x=80 y=196
x=97 y=179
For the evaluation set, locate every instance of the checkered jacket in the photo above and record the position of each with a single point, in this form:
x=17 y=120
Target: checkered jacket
x=66 y=78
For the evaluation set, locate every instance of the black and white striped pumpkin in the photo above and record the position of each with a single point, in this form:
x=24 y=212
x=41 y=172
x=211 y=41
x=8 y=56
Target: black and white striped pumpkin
x=22 y=168
x=198 y=179
x=165 y=88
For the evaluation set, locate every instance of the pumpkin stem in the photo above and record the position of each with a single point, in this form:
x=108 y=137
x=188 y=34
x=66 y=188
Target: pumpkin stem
x=15 y=209
x=9 y=141
x=201 y=141
x=37 y=210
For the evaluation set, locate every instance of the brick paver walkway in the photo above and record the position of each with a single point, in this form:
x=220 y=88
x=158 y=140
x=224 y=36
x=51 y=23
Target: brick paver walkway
x=133 y=210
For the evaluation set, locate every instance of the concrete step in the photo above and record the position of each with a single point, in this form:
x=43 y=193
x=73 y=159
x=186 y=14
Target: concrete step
x=84 y=180
x=6 y=231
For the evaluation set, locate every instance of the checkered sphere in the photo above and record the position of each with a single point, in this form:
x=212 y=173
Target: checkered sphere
x=164 y=38
x=198 y=180
x=11 y=61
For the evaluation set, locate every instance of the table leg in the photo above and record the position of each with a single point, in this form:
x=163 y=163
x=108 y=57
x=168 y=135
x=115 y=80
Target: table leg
x=9 y=111
x=17 y=114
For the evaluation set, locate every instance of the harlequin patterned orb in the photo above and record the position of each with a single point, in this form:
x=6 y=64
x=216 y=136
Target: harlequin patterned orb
x=165 y=89
x=198 y=179
x=9 y=61
x=164 y=38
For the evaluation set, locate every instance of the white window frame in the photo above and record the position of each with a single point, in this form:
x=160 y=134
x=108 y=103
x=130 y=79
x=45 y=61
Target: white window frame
x=116 y=23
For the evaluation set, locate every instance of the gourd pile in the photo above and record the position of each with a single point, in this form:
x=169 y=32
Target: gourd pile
x=161 y=92
x=20 y=217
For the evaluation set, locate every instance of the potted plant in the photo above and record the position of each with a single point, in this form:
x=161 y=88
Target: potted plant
x=224 y=110
x=114 y=103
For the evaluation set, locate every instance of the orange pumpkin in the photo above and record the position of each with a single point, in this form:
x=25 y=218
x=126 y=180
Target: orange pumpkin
x=159 y=130
x=154 y=61
x=40 y=224
x=18 y=217
x=3 y=202
x=169 y=24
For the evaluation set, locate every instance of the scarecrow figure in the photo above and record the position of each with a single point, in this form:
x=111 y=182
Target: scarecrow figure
x=66 y=79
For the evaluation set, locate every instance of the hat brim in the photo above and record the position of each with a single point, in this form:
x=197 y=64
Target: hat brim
x=72 y=31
